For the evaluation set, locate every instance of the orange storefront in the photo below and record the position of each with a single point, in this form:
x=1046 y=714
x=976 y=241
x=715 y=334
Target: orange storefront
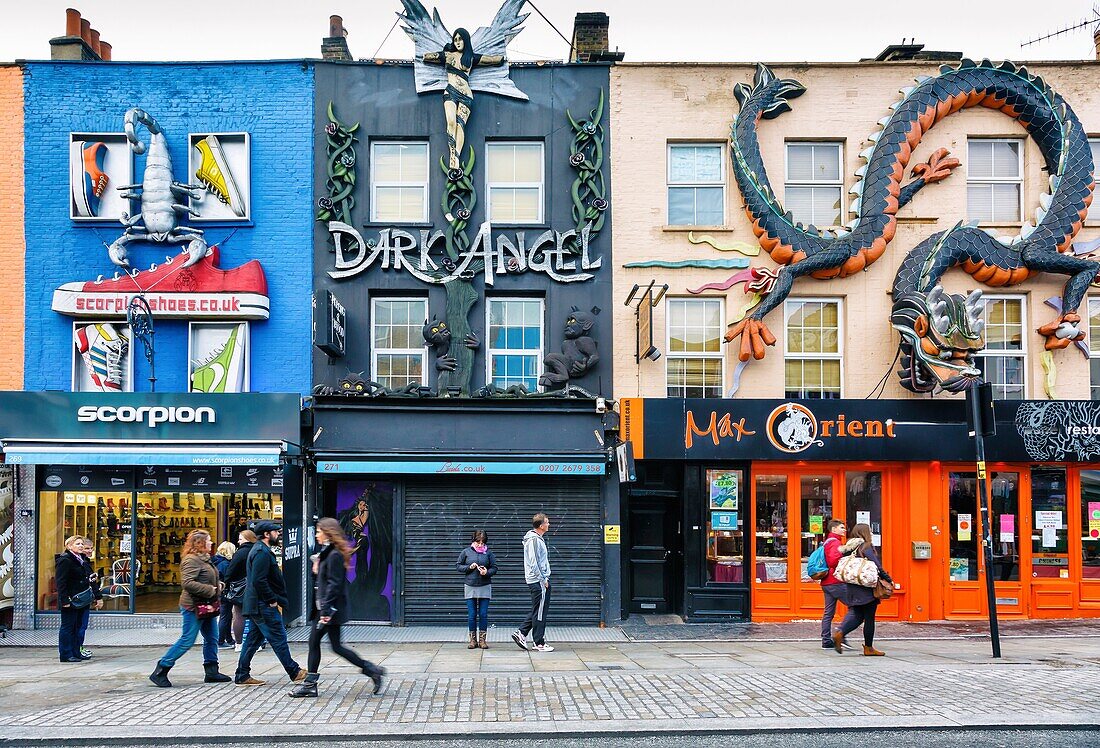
x=727 y=509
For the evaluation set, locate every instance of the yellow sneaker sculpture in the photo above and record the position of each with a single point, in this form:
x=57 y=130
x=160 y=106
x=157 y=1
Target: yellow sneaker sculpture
x=214 y=174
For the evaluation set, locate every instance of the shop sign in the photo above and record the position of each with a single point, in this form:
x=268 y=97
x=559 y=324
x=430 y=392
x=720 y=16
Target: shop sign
x=669 y=428
x=329 y=323
x=461 y=467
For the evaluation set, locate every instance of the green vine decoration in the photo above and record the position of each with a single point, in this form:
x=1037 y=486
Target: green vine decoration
x=459 y=200
x=588 y=191
x=340 y=166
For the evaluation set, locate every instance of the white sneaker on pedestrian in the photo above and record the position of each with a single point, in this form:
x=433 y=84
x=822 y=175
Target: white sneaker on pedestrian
x=544 y=648
x=236 y=647
x=520 y=640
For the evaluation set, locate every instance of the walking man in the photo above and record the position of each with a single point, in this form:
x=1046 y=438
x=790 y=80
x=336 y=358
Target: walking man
x=536 y=572
x=832 y=587
x=264 y=592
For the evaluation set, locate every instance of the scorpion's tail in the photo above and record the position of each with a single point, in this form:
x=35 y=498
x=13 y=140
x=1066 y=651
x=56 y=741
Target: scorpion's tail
x=133 y=118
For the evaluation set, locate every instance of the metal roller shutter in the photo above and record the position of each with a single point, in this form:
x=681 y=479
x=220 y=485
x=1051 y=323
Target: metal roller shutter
x=441 y=514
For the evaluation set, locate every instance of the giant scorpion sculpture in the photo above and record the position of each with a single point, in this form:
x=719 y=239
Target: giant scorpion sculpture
x=160 y=195
x=940 y=332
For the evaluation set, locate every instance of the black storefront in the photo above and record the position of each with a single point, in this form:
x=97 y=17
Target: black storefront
x=135 y=473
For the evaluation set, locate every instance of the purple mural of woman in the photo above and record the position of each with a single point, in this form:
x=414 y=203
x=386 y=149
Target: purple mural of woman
x=366 y=515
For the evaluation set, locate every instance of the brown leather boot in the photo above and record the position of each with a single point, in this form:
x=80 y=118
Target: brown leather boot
x=869 y=651
x=483 y=640
x=473 y=641
x=838 y=641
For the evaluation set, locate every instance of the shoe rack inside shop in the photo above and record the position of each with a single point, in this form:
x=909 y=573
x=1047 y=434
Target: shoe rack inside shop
x=139 y=539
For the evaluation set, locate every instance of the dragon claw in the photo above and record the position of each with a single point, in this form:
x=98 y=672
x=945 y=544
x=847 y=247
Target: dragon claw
x=1062 y=331
x=754 y=336
x=937 y=168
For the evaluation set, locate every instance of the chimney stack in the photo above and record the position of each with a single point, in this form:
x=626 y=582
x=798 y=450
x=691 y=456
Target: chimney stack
x=335 y=45
x=590 y=43
x=81 y=42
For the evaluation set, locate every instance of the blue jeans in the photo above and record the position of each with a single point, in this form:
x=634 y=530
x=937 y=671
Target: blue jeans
x=85 y=615
x=68 y=636
x=192 y=625
x=268 y=625
x=477 y=613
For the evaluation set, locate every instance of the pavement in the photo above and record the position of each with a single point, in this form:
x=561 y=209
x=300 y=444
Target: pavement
x=741 y=684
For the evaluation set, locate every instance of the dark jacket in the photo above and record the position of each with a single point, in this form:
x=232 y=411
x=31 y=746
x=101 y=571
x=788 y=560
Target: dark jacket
x=473 y=577
x=73 y=574
x=221 y=563
x=265 y=581
x=330 y=589
x=857 y=595
x=199 y=580
x=238 y=565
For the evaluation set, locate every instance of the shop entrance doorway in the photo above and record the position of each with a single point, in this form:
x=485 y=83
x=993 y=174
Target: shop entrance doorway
x=655 y=558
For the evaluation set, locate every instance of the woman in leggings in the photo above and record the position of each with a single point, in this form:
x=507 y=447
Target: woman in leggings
x=861 y=601
x=330 y=611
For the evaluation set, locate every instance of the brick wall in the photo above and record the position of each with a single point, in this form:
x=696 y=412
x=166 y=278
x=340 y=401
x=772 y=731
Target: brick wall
x=11 y=226
x=271 y=101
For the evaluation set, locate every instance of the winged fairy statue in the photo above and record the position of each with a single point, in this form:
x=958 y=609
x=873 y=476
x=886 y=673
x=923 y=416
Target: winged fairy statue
x=459 y=63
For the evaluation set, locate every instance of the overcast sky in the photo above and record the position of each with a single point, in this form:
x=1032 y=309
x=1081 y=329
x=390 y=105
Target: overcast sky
x=646 y=30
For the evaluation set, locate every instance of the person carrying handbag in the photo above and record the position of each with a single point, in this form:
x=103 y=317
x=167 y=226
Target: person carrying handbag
x=76 y=591
x=861 y=571
x=199 y=604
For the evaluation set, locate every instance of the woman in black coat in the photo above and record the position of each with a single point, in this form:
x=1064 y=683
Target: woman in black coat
x=477 y=565
x=861 y=601
x=330 y=609
x=73 y=575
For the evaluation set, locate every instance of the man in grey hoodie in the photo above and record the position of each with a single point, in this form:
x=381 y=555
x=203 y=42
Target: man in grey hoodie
x=536 y=572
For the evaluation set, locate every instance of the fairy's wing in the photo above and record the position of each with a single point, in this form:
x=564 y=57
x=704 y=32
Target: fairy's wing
x=493 y=40
x=429 y=35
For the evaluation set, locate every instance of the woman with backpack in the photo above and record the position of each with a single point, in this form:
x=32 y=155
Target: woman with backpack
x=477 y=564
x=860 y=599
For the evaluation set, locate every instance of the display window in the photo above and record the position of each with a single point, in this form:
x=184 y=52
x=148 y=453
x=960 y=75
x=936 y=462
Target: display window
x=1090 y=524
x=771 y=528
x=137 y=538
x=816 y=505
x=1049 y=532
x=725 y=533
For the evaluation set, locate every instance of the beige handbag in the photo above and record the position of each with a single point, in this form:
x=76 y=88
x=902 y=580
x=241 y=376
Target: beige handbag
x=857 y=570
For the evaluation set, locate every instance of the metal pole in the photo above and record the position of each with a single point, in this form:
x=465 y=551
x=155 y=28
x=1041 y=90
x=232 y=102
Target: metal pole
x=986 y=511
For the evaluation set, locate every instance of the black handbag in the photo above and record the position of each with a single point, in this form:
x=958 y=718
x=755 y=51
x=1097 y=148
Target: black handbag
x=234 y=593
x=82 y=599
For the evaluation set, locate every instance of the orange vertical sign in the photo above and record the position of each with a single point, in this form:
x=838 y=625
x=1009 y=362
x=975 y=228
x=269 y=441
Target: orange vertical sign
x=631 y=410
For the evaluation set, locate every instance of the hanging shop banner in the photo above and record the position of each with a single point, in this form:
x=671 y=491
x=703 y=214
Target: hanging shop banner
x=1055 y=431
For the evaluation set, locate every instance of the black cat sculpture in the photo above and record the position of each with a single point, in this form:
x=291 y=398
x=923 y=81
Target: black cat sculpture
x=438 y=337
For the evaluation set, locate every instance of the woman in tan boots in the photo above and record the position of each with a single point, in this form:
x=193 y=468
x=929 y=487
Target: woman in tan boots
x=861 y=601
x=477 y=564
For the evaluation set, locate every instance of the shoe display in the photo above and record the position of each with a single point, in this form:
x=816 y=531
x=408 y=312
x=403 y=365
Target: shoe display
x=214 y=174
x=202 y=291
x=89 y=181
x=103 y=351
x=223 y=369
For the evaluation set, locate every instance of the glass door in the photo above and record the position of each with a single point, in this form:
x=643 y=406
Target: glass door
x=725 y=517
x=771 y=591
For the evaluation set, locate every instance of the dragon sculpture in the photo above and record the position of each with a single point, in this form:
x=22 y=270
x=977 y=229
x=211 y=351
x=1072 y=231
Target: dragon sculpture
x=940 y=332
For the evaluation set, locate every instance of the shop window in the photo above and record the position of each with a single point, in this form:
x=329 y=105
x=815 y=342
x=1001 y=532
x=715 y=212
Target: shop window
x=1094 y=348
x=398 y=357
x=1005 y=494
x=962 y=493
x=694 y=367
x=964 y=540
x=515 y=342
x=103 y=358
x=1090 y=524
x=813 y=354
x=137 y=539
x=399 y=182
x=218 y=356
x=1003 y=360
x=816 y=495
x=863 y=502
x=771 y=528
x=1049 y=533
x=994 y=180
x=696 y=185
x=725 y=537
x=814 y=183
x=514 y=176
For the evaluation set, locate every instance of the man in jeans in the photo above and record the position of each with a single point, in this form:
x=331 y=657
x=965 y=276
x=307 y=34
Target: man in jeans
x=536 y=572
x=832 y=587
x=264 y=592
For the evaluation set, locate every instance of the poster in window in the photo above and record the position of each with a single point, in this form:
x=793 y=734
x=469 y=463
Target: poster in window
x=965 y=525
x=364 y=510
x=959 y=569
x=1094 y=520
x=723 y=488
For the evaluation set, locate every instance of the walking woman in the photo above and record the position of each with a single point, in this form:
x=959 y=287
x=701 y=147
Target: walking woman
x=330 y=568
x=199 y=606
x=477 y=564
x=221 y=560
x=861 y=601
x=234 y=583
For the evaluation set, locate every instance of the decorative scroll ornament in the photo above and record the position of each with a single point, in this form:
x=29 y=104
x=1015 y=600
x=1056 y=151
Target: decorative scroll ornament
x=940 y=332
x=590 y=204
x=340 y=165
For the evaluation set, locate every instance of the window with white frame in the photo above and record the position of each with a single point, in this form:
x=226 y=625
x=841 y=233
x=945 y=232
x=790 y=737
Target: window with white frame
x=1094 y=146
x=1003 y=361
x=696 y=184
x=398 y=355
x=515 y=342
x=994 y=180
x=514 y=176
x=399 y=182
x=694 y=365
x=814 y=183
x=1094 y=348
x=813 y=352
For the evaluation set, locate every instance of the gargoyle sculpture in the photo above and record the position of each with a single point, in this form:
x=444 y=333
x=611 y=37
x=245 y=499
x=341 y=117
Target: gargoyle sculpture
x=578 y=351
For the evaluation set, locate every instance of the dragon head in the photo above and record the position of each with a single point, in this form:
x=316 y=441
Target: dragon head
x=940 y=333
x=768 y=95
